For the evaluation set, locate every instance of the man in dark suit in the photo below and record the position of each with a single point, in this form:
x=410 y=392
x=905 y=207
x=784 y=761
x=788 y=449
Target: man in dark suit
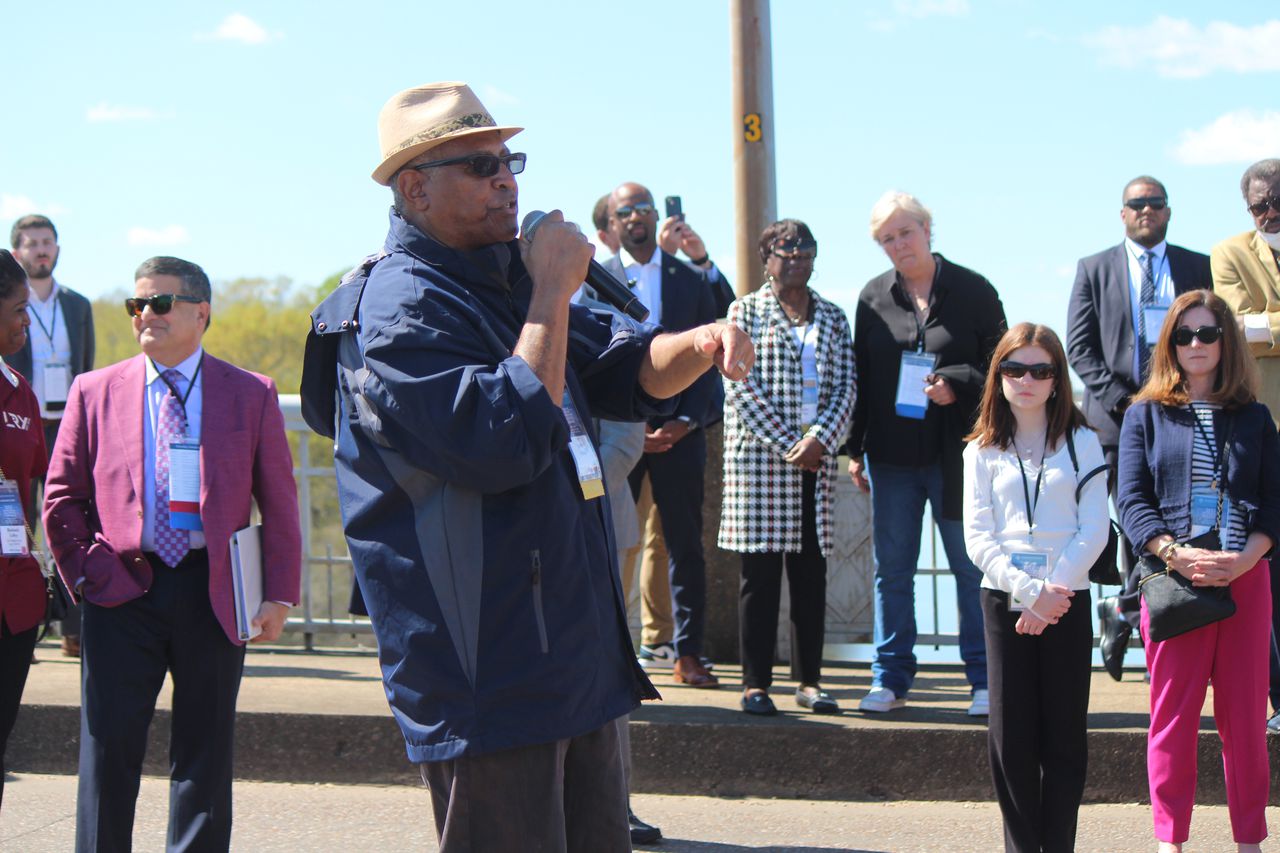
x=158 y=462
x=675 y=448
x=59 y=348
x=1117 y=306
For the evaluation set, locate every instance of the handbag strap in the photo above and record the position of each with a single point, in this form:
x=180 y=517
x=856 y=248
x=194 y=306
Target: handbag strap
x=37 y=554
x=1081 y=482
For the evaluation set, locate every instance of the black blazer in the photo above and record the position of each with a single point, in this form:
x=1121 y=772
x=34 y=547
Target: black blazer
x=687 y=301
x=79 y=316
x=1100 y=333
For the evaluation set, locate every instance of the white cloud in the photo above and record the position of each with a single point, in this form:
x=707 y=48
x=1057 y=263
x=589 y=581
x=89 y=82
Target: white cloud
x=1178 y=48
x=1243 y=136
x=169 y=235
x=931 y=8
x=13 y=206
x=241 y=28
x=105 y=112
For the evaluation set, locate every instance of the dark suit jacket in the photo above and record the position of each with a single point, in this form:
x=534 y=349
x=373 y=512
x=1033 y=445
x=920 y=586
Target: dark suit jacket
x=687 y=301
x=1100 y=333
x=79 y=316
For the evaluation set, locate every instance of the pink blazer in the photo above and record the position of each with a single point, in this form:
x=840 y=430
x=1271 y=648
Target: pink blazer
x=94 y=493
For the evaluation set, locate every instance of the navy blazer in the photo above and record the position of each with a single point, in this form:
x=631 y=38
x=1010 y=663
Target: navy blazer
x=687 y=301
x=79 y=317
x=1100 y=333
x=1154 y=487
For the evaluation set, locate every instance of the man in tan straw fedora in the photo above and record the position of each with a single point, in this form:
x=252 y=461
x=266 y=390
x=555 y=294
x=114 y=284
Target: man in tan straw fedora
x=459 y=385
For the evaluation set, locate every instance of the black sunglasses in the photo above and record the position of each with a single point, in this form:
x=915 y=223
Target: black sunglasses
x=1261 y=207
x=1017 y=370
x=1154 y=202
x=643 y=208
x=801 y=254
x=161 y=304
x=1207 y=334
x=480 y=165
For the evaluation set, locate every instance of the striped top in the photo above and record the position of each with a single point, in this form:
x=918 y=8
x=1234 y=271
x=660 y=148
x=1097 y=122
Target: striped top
x=1204 y=445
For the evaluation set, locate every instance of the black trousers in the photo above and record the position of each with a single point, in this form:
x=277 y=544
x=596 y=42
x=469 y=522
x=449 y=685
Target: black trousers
x=126 y=652
x=15 y=662
x=677 y=479
x=759 y=598
x=1037 y=732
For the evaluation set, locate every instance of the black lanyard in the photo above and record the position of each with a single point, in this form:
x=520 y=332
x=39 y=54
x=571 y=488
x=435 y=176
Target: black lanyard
x=1216 y=453
x=1026 y=487
x=191 y=386
x=54 y=322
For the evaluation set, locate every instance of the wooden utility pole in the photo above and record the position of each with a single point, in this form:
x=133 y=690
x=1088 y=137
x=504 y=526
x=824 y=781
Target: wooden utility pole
x=754 y=175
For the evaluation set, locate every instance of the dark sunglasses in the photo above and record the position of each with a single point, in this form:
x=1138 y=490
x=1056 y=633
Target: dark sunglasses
x=800 y=254
x=1154 y=202
x=643 y=208
x=1207 y=334
x=1261 y=207
x=161 y=304
x=1017 y=370
x=480 y=165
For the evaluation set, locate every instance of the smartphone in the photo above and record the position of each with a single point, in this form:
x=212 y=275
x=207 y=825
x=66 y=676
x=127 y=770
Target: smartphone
x=674 y=207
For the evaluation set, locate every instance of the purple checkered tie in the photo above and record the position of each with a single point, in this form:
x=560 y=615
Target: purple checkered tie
x=171 y=545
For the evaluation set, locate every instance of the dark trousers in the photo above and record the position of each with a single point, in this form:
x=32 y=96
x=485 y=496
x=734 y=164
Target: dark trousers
x=1037 y=732
x=759 y=597
x=1128 y=602
x=15 y=662
x=126 y=652
x=676 y=478
x=567 y=796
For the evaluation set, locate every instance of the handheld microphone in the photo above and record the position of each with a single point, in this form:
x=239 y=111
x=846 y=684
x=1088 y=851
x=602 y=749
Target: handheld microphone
x=603 y=282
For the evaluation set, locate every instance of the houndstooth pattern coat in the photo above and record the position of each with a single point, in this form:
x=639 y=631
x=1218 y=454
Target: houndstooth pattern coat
x=762 y=493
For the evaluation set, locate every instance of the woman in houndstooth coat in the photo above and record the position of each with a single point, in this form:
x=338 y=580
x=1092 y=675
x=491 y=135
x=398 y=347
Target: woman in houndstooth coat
x=783 y=426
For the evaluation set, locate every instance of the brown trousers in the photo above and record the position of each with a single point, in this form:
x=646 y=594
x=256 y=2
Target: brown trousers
x=657 y=625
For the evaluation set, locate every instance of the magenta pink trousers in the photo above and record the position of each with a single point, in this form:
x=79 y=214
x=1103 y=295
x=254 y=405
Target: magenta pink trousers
x=1233 y=655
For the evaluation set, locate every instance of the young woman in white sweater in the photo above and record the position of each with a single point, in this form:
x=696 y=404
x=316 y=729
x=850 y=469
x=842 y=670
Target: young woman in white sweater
x=1034 y=542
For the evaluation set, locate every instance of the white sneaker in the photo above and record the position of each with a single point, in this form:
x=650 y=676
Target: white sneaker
x=981 y=704
x=881 y=699
x=661 y=656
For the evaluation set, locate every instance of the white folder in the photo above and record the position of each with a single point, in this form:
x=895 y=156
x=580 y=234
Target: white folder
x=246 y=578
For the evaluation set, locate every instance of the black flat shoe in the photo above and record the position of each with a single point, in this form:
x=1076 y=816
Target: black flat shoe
x=819 y=703
x=1115 y=631
x=759 y=704
x=641 y=832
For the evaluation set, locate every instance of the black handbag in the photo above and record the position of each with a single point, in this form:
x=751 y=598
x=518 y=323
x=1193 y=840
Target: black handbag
x=1104 y=569
x=1174 y=605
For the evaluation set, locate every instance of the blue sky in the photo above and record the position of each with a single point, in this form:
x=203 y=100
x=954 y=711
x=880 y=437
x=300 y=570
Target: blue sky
x=242 y=136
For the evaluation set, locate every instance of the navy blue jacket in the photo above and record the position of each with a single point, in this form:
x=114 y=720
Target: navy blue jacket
x=1154 y=488
x=491 y=582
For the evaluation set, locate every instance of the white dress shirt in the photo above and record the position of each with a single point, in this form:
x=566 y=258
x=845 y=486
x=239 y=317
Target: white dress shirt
x=648 y=279
x=156 y=391
x=49 y=342
x=1164 y=290
x=996 y=520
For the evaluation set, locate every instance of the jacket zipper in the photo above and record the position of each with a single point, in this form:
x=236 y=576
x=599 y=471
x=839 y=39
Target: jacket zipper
x=536 y=576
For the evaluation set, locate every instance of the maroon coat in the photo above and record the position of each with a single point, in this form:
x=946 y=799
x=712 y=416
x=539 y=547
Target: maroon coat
x=93 y=504
x=23 y=458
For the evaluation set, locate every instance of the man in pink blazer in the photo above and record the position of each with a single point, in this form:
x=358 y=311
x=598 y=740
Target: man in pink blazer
x=157 y=463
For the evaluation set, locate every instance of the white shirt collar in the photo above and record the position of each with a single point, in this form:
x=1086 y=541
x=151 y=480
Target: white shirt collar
x=1137 y=251
x=654 y=260
x=35 y=297
x=187 y=367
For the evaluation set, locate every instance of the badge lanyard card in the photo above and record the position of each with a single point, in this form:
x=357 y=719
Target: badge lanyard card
x=15 y=533
x=57 y=374
x=184 y=468
x=913 y=374
x=585 y=460
x=1034 y=562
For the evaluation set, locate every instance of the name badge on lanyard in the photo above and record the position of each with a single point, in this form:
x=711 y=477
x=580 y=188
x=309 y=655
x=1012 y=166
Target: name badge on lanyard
x=913 y=372
x=585 y=460
x=1153 y=318
x=57 y=379
x=1035 y=564
x=809 y=373
x=184 y=484
x=13 y=526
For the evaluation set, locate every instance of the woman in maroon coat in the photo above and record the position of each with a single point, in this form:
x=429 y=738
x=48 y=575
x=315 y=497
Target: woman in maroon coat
x=22 y=458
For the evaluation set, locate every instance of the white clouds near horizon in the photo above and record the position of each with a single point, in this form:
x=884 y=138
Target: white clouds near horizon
x=241 y=28
x=13 y=206
x=1177 y=48
x=1242 y=136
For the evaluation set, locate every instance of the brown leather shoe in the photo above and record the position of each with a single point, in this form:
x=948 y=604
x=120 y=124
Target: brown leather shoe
x=71 y=647
x=689 y=670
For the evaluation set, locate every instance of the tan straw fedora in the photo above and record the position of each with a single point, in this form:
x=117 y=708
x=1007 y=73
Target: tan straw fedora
x=419 y=119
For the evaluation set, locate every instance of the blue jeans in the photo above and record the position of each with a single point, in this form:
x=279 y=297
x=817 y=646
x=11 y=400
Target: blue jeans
x=898 y=495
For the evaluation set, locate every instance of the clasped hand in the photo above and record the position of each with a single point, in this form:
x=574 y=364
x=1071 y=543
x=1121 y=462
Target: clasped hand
x=1207 y=568
x=1052 y=604
x=806 y=453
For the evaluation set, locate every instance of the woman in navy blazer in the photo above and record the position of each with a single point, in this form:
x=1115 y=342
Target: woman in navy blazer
x=1195 y=426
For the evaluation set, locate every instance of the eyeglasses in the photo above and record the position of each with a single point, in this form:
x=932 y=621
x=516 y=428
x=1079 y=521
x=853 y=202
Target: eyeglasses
x=1154 y=202
x=643 y=208
x=1261 y=207
x=160 y=304
x=799 y=254
x=1017 y=370
x=480 y=165
x=1207 y=334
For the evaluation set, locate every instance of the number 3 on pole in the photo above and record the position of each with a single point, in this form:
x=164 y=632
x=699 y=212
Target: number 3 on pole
x=751 y=127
